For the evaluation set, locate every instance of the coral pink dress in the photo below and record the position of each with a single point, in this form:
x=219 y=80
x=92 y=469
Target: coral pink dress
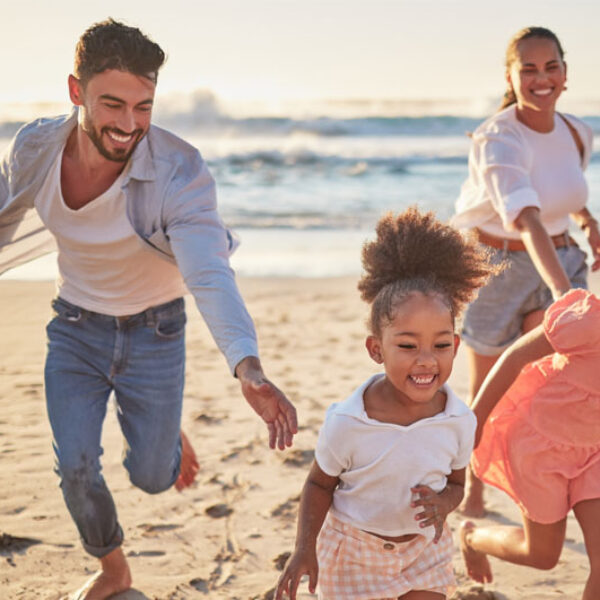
x=541 y=443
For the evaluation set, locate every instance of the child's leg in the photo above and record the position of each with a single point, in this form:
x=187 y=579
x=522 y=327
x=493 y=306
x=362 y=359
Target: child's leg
x=588 y=516
x=534 y=545
x=479 y=366
x=422 y=595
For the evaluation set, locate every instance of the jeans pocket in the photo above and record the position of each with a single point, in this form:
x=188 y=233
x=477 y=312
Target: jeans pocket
x=170 y=327
x=65 y=311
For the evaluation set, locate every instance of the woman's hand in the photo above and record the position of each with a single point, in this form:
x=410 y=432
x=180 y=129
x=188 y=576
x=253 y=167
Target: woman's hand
x=593 y=237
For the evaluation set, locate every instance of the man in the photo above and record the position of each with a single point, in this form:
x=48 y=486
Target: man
x=132 y=209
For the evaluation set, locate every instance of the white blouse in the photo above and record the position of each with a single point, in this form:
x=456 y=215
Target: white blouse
x=512 y=167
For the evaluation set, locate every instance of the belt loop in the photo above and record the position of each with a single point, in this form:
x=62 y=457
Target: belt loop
x=505 y=248
x=567 y=240
x=149 y=315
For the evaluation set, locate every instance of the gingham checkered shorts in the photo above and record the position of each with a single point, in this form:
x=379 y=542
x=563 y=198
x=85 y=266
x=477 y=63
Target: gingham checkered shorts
x=356 y=565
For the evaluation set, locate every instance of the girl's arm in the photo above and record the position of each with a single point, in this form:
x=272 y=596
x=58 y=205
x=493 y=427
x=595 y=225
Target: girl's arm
x=438 y=505
x=542 y=252
x=529 y=347
x=586 y=222
x=315 y=501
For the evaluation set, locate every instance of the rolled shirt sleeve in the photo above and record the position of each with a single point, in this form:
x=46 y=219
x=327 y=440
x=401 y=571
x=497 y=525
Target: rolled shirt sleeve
x=201 y=245
x=504 y=166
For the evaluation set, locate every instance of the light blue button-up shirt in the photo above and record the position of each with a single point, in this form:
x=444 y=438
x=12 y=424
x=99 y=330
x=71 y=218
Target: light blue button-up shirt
x=171 y=204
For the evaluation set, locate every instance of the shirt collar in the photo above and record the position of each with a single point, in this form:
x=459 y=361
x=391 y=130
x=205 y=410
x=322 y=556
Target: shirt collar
x=141 y=165
x=354 y=406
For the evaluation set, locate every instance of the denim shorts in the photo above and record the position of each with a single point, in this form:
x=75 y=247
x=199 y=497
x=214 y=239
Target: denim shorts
x=494 y=320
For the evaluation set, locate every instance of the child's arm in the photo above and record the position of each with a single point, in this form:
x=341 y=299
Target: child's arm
x=315 y=501
x=529 y=347
x=438 y=505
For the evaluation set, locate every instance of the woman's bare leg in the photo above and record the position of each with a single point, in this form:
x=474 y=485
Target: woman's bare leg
x=479 y=366
x=532 y=320
x=534 y=545
x=588 y=516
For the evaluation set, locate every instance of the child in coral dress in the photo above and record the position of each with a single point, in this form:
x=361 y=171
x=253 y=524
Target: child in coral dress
x=390 y=459
x=540 y=441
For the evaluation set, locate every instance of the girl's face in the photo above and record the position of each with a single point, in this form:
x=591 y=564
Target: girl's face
x=537 y=74
x=417 y=348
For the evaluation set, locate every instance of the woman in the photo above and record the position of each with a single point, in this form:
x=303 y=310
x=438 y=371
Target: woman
x=525 y=180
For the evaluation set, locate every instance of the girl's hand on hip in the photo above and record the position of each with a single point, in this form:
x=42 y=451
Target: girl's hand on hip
x=435 y=509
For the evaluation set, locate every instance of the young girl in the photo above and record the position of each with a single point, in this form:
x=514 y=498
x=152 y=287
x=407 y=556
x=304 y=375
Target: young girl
x=540 y=441
x=390 y=459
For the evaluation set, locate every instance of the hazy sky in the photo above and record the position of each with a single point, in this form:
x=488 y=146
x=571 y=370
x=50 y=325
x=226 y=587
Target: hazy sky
x=270 y=49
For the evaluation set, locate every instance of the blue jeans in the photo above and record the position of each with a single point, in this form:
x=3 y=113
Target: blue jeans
x=141 y=359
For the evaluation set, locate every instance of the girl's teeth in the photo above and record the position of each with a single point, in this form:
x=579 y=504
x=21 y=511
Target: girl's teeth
x=423 y=380
x=542 y=92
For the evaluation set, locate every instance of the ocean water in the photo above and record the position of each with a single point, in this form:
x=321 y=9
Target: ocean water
x=304 y=191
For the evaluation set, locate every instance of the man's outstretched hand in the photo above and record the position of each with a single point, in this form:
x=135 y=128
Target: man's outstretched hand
x=268 y=401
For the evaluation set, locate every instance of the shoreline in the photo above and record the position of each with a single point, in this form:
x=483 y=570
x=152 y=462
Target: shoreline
x=225 y=536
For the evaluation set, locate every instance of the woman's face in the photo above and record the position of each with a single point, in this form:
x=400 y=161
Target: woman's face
x=537 y=74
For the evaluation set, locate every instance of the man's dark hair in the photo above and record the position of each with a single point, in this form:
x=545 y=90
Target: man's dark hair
x=113 y=45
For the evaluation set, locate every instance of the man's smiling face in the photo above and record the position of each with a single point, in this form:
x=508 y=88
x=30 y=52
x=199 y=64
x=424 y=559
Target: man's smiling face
x=116 y=108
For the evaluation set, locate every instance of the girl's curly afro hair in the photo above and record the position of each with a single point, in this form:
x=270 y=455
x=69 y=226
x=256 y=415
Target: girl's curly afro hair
x=414 y=252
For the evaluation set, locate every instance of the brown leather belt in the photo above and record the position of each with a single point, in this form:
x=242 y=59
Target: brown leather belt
x=559 y=241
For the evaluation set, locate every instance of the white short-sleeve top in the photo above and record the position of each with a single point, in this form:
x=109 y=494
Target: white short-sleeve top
x=378 y=463
x=511 y=167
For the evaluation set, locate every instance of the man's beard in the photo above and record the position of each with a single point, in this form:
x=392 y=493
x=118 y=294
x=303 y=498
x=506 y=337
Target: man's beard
x=118 y=154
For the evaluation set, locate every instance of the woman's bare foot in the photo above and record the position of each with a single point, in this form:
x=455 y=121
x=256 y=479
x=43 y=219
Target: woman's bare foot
x=114 y=577
x=189 y=464
x=473 y=505
x=476 y=563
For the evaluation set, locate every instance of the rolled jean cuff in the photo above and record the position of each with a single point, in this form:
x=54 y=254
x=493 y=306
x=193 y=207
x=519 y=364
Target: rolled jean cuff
x=101 y=551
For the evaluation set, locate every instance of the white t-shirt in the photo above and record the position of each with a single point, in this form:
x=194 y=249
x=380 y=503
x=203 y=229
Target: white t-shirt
x=512 y=167
x=103 y=265
x=378 y=463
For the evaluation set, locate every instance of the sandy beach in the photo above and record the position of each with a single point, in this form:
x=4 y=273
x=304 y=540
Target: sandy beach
x=227 y=535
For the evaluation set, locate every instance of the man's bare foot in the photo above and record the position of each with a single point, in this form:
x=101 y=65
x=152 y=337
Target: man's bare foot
x=189 y=464
x=114 y=577
x=476 y=563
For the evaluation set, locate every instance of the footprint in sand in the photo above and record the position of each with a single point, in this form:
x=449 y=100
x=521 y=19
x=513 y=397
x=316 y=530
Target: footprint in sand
x=218 y=511
x=287 y=509
x=150 y=530
x=475 y=592
x=10 y=543
x=200 y=584
x=207 y=418
x=146 y=553
x=299 y=458
x=279 y=561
